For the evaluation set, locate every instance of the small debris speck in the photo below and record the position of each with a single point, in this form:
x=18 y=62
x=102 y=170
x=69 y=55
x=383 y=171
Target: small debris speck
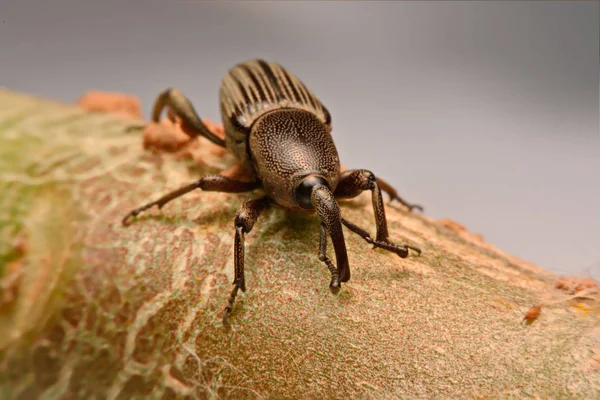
x=532 y=314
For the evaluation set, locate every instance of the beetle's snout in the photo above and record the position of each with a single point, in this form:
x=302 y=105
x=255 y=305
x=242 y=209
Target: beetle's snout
x=305 y=189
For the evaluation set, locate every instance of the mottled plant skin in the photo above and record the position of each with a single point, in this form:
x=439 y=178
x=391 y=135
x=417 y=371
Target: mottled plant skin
x=90 y=309
x=280 y=133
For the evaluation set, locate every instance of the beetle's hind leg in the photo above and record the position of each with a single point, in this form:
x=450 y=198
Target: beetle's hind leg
x=214 y=183
x=351 y=184
x=244 y=222
x=182 y=108
x=391 y=191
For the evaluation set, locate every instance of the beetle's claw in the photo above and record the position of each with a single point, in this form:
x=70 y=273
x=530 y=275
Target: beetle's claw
x=335 y=286
x=412 y=207
x=416 y=249
x=415 y=207
x=226 y=312
x=126 y=221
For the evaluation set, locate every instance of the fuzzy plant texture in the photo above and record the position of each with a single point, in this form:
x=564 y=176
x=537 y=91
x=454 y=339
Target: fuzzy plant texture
x=91 y=309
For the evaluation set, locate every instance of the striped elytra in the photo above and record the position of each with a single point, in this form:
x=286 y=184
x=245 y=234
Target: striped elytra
x=255 y=87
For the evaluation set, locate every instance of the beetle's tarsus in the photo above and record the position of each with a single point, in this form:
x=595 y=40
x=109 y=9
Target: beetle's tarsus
x=411 y=207
x=394 y=196
x=229 y=305
x=401 y=250
x=135 y=213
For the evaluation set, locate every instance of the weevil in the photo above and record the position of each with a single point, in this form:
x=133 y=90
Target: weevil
x=280 y=135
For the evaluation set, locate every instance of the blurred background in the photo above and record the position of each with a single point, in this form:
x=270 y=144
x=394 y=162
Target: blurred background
x=484 y=112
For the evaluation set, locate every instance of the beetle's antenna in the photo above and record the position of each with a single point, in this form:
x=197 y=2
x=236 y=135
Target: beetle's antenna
x=329 y=213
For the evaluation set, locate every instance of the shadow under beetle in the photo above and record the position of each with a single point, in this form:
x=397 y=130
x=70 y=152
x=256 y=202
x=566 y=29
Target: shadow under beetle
x=280 y=134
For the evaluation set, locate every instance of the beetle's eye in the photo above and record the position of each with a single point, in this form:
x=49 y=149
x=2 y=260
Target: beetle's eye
x=305 y=188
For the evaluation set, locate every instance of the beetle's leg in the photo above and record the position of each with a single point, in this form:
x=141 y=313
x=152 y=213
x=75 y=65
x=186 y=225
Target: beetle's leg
x=391 y=191
x=244 y=222
x=401 y=250
x=213 y=183
x=329 y=213
x=335 y=276
x=351 y=184
x=181 y=107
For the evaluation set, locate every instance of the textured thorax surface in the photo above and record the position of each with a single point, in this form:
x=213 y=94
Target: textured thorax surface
x=287 y=145
x=253 y=88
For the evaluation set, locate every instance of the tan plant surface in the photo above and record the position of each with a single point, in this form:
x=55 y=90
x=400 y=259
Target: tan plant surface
x=92 y=309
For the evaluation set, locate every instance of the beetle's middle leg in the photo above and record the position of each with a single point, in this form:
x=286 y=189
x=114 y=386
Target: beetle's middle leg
x=245 y=219
x=351 y=184
x=213 y=183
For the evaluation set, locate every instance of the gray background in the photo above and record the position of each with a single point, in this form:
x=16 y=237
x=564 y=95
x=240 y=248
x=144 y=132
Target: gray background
x=485 y=112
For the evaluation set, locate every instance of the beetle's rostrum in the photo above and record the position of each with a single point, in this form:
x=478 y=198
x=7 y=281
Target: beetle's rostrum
x=280 y=134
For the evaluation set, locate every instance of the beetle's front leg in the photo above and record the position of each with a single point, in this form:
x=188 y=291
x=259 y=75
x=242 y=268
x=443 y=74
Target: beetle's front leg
x=351 y=184
x=244 y=222
x=335 y=285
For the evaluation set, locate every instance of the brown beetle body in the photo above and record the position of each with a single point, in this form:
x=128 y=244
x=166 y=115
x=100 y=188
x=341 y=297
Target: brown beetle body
x=280 y=133
x=277 y=129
